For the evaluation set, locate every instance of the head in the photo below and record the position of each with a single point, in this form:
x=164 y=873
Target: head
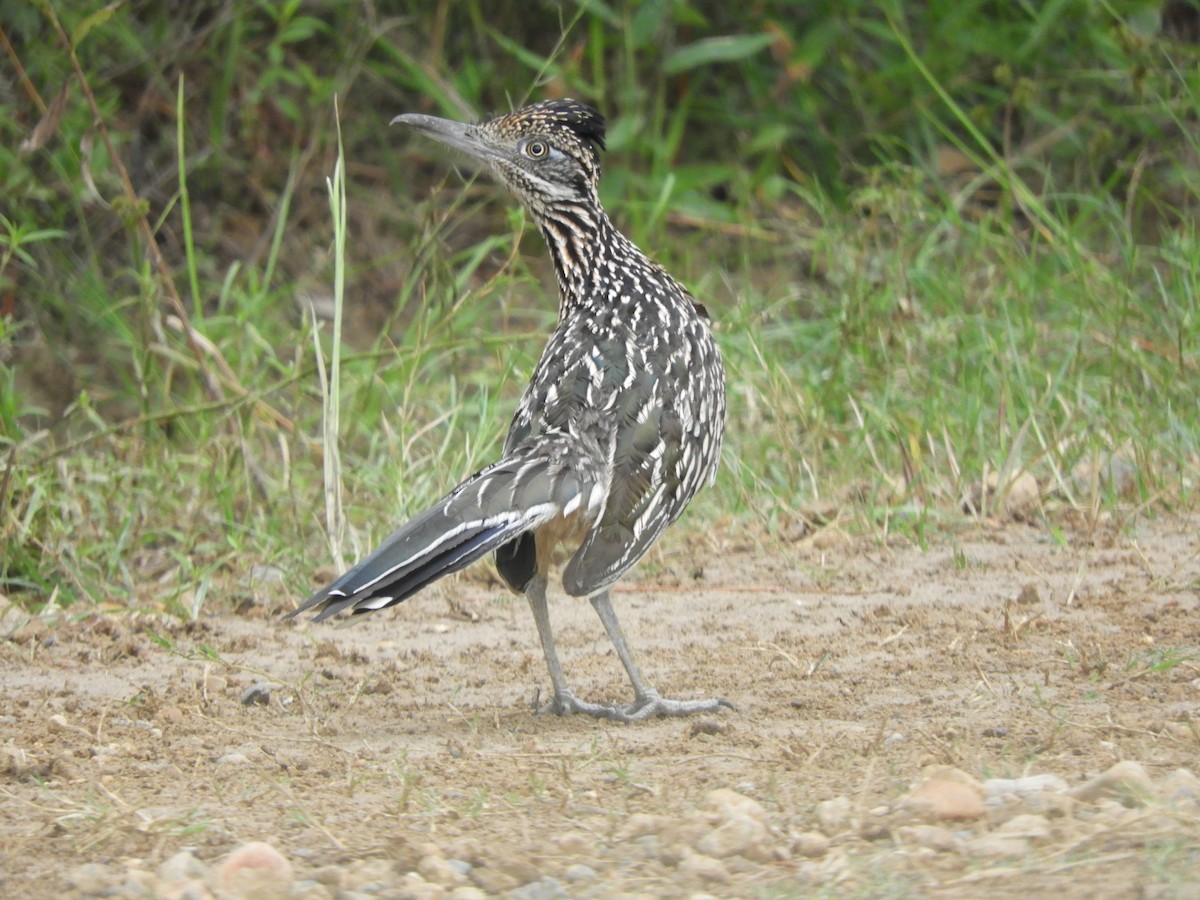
x=545 y=153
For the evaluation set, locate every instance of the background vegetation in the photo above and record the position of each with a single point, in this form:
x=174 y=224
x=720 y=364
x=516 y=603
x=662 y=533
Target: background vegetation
x=952 y=248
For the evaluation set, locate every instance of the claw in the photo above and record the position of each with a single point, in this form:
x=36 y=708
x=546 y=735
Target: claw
x=650 y=705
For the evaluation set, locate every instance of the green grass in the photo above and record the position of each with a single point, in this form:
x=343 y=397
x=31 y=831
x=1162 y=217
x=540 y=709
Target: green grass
x=894 y=332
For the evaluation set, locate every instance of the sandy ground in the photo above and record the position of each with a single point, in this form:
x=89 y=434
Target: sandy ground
x=134 y=757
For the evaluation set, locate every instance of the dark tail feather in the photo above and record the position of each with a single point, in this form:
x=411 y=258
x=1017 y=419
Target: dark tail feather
x=484 y=513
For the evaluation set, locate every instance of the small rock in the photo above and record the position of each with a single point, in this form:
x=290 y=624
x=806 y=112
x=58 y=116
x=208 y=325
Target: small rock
x=1023 y=494
x=950 y=773
x=1027 y=826
x=436 y=869
x=233 y=759
x=833 y=816
x=330 y=876
x=183 y=866
x=707 y=726
x=461 y=866
x=1113 y=471
x=945 y=801
x=256 y=871
x=414 y=887
x=704 y=868
x=90 y=878
x=1180 y=789
x=672 y=853
x=258 y=694
x=738 y=835
x=997 y=845
x=543 y=889
x=1127 y=782
x=931 y=837
x=1048 y=804
x=491 y=880
x=727 y=804
x=519 y=868
x=1018 y=496
x=998 y=787
x=139 y=882
x=467 y=892
x=313 y=890
x=811 y=844
x=574 y=844
x=640 y=824
x=580 y=872
x=1028 y=595
x=375 y=869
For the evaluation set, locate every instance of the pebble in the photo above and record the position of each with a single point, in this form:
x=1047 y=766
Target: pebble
x=641 y=824
x=543 y=889
x=438 y=870
x=728 y=804
x=256 y=871
x=183 y=866
x=1000 y=787
x=931 y=837
x=941 y=800
x=997 y=845
x=704 y=867
x=1126 y=782
x=139 y=882
x=738 y=835
x=574 y=844
x=467 y=892
x=580 y=872
x=1027 y=826
x=833 y=816
x=414 y=887
x=258 y=694
x=90 y=878
x=492 y=880
x=811 y=844
x=1181 y=789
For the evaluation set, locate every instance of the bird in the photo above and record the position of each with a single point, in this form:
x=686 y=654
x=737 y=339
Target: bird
x=620 y=426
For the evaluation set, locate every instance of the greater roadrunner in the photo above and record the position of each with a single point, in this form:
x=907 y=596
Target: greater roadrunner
x=619 y=427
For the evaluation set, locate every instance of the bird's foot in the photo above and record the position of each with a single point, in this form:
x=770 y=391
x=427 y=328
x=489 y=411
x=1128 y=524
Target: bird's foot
x=647 y=706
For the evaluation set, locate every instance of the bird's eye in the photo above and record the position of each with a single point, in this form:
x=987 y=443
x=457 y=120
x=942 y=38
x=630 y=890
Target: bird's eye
x=536 y=149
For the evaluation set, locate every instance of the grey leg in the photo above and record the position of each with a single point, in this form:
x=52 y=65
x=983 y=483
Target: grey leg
x=536 y=595
x=647 y=701
x=564 y=701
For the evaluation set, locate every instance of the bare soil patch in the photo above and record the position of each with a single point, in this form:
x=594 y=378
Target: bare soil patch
x=406 y=743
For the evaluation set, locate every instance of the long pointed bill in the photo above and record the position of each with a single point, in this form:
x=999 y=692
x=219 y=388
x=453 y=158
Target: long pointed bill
x=464 y=138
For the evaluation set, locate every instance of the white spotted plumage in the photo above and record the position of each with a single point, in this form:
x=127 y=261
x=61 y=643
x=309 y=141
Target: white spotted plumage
x=621 y=423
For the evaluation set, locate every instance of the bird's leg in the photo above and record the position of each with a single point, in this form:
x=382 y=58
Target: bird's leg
x=647 y=701
x=564 y=701
x=535 y=593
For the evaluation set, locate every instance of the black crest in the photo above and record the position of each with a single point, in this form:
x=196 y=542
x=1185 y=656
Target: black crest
x=584 y=122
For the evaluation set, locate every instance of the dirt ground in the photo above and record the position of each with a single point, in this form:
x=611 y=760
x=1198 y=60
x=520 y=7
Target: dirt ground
x=881 y=693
